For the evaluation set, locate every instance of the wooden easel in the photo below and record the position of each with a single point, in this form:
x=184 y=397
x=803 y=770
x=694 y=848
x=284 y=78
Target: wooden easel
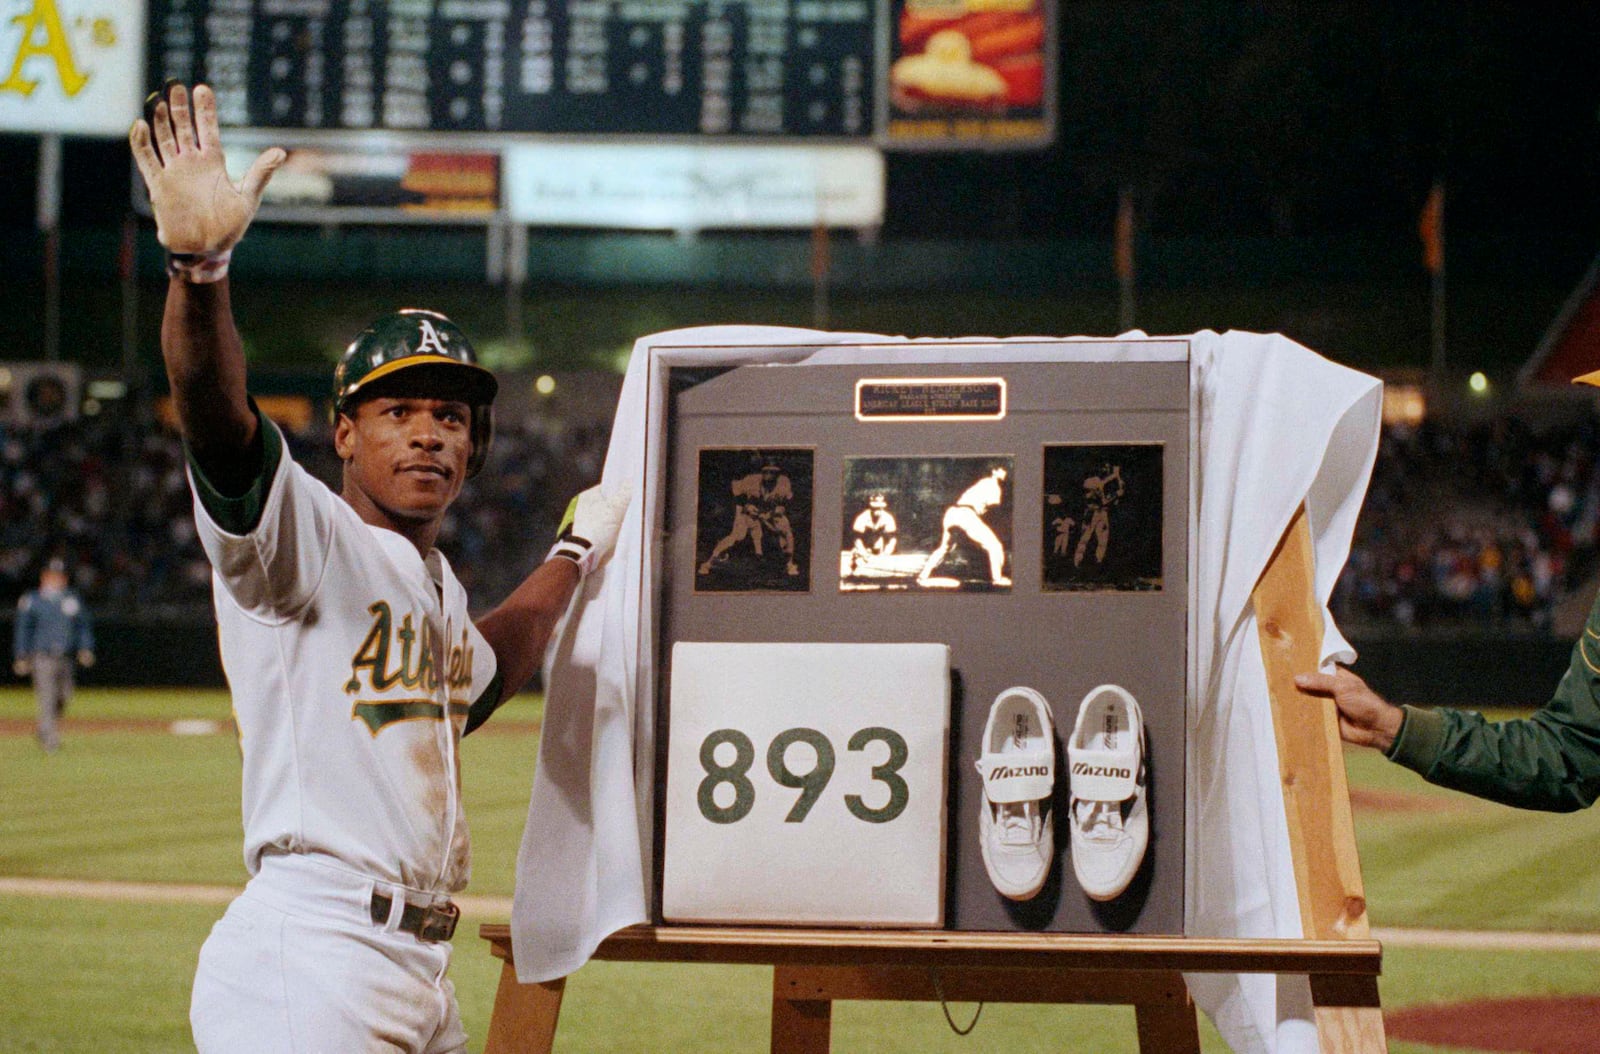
x=814 y=968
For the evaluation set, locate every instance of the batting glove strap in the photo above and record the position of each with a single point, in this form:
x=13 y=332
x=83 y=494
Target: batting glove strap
x=579 y=550
x=199 y=268
x=588 y=531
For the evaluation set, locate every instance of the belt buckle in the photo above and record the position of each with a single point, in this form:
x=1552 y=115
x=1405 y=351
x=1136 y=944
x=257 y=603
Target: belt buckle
x=438 y=922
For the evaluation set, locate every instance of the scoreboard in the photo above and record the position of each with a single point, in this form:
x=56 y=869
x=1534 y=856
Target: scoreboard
x=650 y=67
x=763 y=69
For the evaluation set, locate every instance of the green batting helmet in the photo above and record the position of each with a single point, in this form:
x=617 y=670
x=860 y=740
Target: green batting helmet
x=425 y=354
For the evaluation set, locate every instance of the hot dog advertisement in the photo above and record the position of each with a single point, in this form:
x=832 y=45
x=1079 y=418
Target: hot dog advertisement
x=971 y=73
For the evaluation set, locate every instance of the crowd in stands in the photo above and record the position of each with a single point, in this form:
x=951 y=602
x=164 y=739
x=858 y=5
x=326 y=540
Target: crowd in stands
x=1479 y=526
x=109 y=495
x=1473 y=526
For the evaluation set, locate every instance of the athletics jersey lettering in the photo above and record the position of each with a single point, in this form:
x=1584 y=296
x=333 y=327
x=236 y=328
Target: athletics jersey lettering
x=422 y=665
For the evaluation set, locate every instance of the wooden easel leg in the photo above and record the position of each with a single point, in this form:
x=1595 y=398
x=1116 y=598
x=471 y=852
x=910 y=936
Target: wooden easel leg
x=1351 y=1030
x=1167 y=1029
x=525 y=1015
x=799 y=1026
x=1316 y=791
x=1349 y=1020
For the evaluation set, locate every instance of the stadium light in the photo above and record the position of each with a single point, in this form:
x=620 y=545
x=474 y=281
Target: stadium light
x=545 y=384
x=1478 y=383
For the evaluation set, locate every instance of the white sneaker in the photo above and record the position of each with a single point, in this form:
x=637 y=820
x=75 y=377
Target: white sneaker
x=1018 y=765
x=1110 y=827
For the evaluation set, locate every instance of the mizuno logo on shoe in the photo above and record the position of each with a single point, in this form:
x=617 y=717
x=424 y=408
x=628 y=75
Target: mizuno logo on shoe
x=1006 y=772
x=1082 y=769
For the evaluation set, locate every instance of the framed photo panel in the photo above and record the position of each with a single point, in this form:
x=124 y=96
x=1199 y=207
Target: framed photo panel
x=1102 y=516
x=926 y=524
x=753 y=521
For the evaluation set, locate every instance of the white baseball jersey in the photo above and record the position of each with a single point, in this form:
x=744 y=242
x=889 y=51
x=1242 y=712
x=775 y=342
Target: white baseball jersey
x=352 y=662
x=981 y=495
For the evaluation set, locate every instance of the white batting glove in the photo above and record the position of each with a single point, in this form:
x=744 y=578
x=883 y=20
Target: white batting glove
x=200 y=214
x=589 y=529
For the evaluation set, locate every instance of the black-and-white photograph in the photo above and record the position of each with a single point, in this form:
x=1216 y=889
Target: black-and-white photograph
x=937 y=524
x=753 y=522
x=1102 y=516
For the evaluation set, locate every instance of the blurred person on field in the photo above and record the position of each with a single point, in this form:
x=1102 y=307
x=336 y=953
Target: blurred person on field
x=54 y=633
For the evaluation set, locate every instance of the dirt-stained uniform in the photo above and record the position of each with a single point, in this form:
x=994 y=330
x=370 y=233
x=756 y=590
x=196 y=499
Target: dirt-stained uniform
x=354 y=666
x=345 y=651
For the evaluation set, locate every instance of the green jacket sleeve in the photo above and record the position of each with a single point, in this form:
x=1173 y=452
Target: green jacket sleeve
x=1549 y=760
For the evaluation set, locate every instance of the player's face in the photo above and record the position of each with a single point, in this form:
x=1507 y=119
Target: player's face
x=406 y=455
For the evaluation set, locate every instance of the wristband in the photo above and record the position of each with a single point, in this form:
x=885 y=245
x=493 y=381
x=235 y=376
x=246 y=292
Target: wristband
x=199 y=268
x=578 y=550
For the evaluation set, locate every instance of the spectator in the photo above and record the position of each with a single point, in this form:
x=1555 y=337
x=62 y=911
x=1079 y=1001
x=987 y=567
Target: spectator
x=111 y=495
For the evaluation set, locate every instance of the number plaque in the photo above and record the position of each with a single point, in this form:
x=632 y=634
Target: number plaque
x=806 y=784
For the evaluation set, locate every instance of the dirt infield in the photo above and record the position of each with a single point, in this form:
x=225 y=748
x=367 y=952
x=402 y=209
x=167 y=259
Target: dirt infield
x=1546 y=1025
x=14 y=726
x=1549 y=1025
x=1367 y=799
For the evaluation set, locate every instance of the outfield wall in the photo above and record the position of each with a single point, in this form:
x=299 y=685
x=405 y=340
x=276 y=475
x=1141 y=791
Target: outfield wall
x=1458 y=670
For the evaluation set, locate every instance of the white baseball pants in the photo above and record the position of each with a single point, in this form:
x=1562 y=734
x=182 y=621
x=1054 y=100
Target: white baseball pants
x=296 y=966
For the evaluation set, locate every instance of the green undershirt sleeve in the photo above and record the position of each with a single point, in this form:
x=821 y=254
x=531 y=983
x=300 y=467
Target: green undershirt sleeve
x=240 y=513
x=485 y=704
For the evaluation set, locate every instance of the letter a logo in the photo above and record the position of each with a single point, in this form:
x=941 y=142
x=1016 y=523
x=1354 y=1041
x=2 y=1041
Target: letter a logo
x=43 y=36
x=430 y=339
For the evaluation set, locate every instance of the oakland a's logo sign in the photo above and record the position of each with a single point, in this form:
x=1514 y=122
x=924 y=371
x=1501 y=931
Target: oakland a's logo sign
x=46 y=42
x=403 y=655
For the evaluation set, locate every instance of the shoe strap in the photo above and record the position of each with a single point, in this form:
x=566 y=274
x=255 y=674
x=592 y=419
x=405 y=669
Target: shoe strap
x=1024 y=776
x=1103 y=775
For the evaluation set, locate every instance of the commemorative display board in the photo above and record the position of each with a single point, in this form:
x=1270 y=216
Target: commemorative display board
x=961 y=73
x=924 y=625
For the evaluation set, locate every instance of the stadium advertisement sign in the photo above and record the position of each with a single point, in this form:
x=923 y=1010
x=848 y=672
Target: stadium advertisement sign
x=694 y=187
x=342 y=182
x=455 y=185
x=971 y=74
x=71 y=67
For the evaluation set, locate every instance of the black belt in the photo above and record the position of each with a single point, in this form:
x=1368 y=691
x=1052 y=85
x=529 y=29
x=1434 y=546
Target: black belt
x=436 y=922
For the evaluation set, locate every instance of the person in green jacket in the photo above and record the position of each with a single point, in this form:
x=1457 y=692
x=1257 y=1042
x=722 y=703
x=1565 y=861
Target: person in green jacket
x=1549 y=760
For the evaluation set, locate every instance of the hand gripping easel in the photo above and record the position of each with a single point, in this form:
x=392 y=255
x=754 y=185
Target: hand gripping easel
x=813 y=968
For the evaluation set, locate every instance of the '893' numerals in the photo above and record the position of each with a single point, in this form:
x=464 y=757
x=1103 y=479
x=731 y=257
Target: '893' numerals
x=810 y=783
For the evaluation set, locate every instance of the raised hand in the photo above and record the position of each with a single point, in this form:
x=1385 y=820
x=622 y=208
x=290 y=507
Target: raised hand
x=198 y=210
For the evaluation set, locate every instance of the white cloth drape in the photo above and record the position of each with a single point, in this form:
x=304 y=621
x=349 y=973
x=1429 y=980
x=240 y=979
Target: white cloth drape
x=1278 y=426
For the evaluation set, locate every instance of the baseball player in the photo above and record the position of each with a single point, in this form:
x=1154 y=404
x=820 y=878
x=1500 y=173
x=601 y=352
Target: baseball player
x=874 y=530
x=354 y=665
x=966 y=516
x=761 y=504
x=53 y=630
x=1099 y=494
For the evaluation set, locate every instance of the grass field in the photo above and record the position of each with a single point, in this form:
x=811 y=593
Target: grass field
x=144 y=805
